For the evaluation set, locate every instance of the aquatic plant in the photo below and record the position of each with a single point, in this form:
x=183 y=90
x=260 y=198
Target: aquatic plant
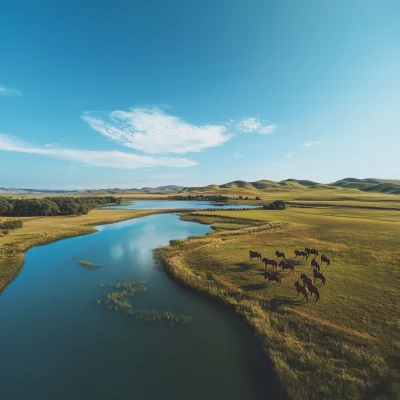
x=89 y=265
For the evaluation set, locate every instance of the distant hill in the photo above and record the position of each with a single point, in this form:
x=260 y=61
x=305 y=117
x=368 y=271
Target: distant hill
x=390 y=186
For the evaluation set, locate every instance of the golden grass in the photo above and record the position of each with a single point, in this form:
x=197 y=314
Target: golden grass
x=343 y=347
x=43 y=230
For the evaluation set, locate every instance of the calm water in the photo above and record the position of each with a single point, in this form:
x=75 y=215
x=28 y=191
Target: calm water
x=56 y=342
x=171 y=204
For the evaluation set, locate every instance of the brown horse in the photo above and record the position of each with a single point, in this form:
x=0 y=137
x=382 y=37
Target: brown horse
x=319 y=275
x=266 y=261
x=255 y=254
x=272 y=277
x=313 y=290
x=314 y=264
x=326 y=260
x=279 y=254
x=283 y=265
x=311 y=251
x=306 y=279
x=303 y=254
x=301 y=289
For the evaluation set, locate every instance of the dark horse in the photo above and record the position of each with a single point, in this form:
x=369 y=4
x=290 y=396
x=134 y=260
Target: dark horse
x=279 y=254
x=301 y=289
x=255 y=254
x=298 y=253
x=266 y=261
x=272 y=277
x=314 y=264
x=326 y=260
x=306 y=279
x=313 y=290
x=319 y=275
x=283 y=265
x=311 y=251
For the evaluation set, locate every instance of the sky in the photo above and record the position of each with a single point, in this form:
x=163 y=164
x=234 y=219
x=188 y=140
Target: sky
x=105 y=94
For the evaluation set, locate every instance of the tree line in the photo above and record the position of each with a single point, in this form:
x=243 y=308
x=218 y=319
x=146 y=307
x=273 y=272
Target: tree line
x=32 y=207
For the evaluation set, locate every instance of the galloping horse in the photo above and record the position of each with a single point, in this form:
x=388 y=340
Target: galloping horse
x=326 y=260
x=266 y=261
x=301 y=289
x=314 y=264
x=301 y=253
x=279 y=254
x=286 y=266
x=272 y=277
x=313 y=290
x=306 y=280
x=255 y=254
x=319 y=275
x=311 y=251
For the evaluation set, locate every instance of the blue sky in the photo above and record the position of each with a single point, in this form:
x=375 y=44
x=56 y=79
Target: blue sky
x=146 y=93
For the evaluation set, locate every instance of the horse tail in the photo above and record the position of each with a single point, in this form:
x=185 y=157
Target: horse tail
x=329 y=262
x=323 y=280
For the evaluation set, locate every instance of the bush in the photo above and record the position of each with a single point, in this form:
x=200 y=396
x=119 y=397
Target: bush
x=275 y=205
x=11 y=224
x=5 y=232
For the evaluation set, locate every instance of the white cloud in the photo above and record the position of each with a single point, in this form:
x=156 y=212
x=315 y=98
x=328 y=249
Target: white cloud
x=254 y=125
x=153 y=131
x=114 y=159
x=309 y=144
x=288 y=155
x=5 y=90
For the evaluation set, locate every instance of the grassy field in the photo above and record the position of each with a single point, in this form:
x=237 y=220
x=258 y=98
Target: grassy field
x=347 y=345
x=42 y=230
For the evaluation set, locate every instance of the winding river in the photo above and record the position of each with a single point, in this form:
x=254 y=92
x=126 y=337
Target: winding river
x=57 y=342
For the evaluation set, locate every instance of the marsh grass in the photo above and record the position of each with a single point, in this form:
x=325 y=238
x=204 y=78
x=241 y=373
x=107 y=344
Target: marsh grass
x=347 y=345
x=89 y=265
x=118 y=301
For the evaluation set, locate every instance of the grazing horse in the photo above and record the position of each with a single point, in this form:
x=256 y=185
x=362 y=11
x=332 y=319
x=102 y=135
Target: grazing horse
x=314 y=264
x=306 y=280
x=272 y=277
x=286 y=266
x=255 y=254
x=313 y=290
x=301 y=289
x=301 y=253
x=319 y=275
x=311 y=251
x=326 y=260
x=266 y=261
x=279 y=254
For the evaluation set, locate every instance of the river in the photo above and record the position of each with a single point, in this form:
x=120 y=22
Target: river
x=57 y=342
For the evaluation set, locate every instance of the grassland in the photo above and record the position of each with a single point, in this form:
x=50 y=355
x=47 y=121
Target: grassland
x=346 y=346
x=43 y=230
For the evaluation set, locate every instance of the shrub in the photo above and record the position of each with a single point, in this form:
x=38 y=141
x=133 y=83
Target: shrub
x=11 y=224
x=275 y=205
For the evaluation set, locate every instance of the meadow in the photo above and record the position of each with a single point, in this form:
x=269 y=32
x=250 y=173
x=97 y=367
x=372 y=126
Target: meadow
x=345 y=346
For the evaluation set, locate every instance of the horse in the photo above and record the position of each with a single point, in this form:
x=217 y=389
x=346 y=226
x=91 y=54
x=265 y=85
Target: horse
x=272 y=277
x=255 y=254
x=313 y=290
x=319 y=275
x=314 y=264
x=311 y=251
x=326 y=260
x=301 y=289
x=266 y=261
x=279 y=254
x=286 y=266
x=301 y=253
x=306 y=279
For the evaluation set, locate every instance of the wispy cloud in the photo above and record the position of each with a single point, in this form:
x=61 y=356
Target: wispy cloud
x=5 y=90
x=309 y=144
x=249 y=125
x=152 y=131
x=114 y=159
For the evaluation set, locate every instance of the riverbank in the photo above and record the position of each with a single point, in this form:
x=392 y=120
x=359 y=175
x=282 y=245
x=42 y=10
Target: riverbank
x=345 y=346
x=43 y=230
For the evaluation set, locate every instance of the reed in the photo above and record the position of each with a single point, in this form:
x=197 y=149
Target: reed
x=89 y=265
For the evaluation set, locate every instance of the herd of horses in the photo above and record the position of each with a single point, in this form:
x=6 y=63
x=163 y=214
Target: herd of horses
x=308 y=288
